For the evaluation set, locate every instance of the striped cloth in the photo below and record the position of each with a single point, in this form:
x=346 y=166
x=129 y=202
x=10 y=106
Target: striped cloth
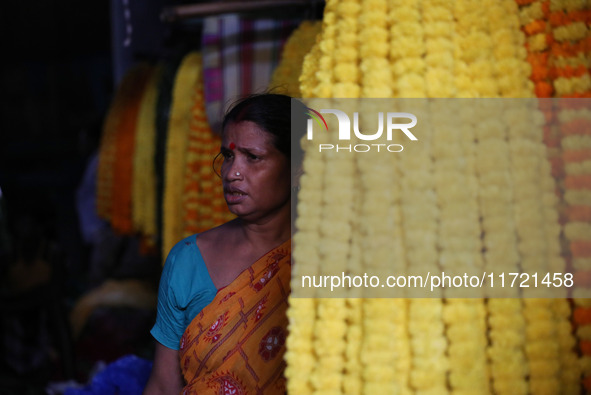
x=239 y=56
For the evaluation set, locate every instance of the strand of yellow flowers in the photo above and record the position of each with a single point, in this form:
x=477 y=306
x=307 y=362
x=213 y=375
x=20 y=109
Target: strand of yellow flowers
x=374 y=44
x=507 y=360
x=346 y=85
x=144 y=172
x=300 y=354
x=346 y=50
x=353 y=381
x=459 y=234
x=176 y=149
x=428 y=341
x=386 y=353
x=526 y=157
x=438 y=18
x=385 y=323
x=420 y=217
x=286 y=75
x=321 y=60
x=335 y=232
x=308 y=80
x=459 y=245
x=508 y=367
x=409 y=53
x=408 y=49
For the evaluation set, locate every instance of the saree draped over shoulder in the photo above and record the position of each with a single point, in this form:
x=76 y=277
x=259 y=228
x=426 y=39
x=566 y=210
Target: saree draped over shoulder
x=235 y=345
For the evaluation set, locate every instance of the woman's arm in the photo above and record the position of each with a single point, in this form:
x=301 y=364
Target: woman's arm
x=166 y=372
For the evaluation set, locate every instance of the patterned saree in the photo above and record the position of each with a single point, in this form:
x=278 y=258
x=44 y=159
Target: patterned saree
x=236 y=344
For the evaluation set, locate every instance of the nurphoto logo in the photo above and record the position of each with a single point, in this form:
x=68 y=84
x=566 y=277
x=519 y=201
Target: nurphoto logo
x=393 y=124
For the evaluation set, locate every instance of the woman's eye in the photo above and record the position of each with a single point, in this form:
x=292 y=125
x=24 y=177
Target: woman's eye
x=227 y=154
x=252 y=157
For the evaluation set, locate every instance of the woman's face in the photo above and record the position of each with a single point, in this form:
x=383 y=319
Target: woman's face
x=255 y=174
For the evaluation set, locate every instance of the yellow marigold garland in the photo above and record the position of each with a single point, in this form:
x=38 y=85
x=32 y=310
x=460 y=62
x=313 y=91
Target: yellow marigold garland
x=455 y=65
x=203 y=205
x=144 y=172
x=335 y=230
x=300 y=352
x=346 y=50
x=459 y=245
x=184 y=89
x=508 y=367
x=385 y=321
x=286 y=75
x=420 y=215
x=507 y=361
x=407 y=56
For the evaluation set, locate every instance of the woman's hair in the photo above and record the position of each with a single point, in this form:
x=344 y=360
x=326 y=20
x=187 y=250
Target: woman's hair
x=279 y=115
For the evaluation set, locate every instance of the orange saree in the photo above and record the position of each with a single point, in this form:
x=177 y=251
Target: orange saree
x=235 y=345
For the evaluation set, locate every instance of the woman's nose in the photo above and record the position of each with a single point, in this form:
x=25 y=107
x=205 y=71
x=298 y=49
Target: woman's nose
x=234 y=171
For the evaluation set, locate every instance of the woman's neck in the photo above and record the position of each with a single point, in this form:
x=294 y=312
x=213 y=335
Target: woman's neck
x=268 y=233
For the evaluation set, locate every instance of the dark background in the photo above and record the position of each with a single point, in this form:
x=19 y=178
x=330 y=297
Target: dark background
x=61 y=63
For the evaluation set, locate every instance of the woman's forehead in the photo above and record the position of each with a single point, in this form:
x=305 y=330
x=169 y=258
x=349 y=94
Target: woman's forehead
x=245 y=132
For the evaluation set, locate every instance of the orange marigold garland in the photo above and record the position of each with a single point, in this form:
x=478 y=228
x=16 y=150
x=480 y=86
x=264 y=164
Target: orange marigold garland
x=184 y=89
x=203 y=205
x=117 y=150
x=571 y=59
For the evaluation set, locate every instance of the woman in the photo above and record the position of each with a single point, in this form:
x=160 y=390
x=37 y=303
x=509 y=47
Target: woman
x=221 y=323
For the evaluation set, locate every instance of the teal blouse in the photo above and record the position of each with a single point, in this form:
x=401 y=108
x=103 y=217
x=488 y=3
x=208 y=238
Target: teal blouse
x=185 y=289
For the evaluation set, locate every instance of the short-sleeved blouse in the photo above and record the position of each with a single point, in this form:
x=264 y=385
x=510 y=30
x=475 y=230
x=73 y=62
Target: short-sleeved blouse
x=185 y=289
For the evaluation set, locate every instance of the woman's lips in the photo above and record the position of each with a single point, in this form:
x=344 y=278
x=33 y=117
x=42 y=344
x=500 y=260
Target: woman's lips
x=234 y=195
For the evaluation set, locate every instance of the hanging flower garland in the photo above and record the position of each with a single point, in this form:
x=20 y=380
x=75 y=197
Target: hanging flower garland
x=533 y=17
x=335 y=231
x=300 y=354
x=526 y=158
x=458 y=240
x=420 y=216
x=184 y=89
x=286 y=75
x=458 y=49
x=203 y=205
x=570 y=60
x=117 y=149
x=144 y=172
x=508 y=367
x=346 y=51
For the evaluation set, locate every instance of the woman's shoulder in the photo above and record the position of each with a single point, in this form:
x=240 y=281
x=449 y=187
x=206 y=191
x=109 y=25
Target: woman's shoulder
x=184 y=251
x=185 y=263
